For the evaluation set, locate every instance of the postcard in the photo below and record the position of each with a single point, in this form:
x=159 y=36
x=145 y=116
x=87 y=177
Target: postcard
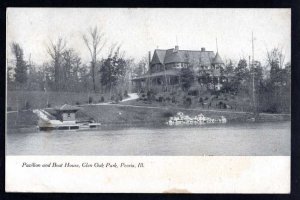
x=148 y=100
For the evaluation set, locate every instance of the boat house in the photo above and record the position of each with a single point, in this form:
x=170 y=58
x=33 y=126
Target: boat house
x=66 y=114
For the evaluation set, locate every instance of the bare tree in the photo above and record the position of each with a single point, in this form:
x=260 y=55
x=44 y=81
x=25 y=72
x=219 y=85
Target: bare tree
x=55 y=51
x=95 y=43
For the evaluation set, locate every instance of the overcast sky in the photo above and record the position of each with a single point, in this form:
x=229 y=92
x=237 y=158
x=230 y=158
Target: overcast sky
x=143 y=30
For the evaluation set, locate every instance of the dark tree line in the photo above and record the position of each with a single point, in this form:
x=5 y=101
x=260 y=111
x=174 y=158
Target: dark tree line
x=268 y=88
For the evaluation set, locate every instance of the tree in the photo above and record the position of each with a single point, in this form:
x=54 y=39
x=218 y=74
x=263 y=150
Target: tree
x=229 y=68
x=56 y=51
x=71 y=64
x=241 y=71
x=187 y=78
x=95 y=43
x=113 y=70
x=21 y=66
x=140 y=68
x=275 y=91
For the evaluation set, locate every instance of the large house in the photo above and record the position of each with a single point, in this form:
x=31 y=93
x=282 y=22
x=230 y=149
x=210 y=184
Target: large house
x=165 y=68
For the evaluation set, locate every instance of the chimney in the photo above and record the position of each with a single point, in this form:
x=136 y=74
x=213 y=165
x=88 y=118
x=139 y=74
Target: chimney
x=149 y=59
x=176 y=48
x=202 y=49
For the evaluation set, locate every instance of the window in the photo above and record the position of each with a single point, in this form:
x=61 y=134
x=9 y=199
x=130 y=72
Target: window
x=69 y=114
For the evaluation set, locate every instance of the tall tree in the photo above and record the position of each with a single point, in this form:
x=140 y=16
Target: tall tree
x=71 y=64
x=95 y=43
x=112 y=71
x=21 y=66
x=55 y=51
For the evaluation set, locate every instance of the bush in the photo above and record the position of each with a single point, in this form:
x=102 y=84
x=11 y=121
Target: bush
x=193 y=93
x=149 y=95
x=27 y=105
x=188 y=101
x=120 y=96
x=126 y=93
x=102 y=99
x=173 y=99
x=90 y=100
x=167 y=114
x=160 y=99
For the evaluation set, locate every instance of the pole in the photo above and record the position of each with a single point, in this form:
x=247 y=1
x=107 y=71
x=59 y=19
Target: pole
x=253 y=73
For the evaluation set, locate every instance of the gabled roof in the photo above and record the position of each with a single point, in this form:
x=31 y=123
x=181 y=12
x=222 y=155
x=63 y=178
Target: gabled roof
x=67 y=107
x=218 y=59
x=158 y=56
x=184 y=56
x=173 y=57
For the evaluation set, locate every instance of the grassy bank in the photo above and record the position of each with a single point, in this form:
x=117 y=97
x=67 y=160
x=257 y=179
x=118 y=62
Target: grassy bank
x=39 y=99
x=130 y=115
x=126 y=115
x=117 y=114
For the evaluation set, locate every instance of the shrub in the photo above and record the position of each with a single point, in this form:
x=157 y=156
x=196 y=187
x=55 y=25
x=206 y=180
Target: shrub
x=160 y=99
x=167 y=114
x=27 y=105
x=102 y=99
x=193 y=93
x=120 y=97
x=149 y=95
x=126 y=93
x=200 y=100
x=173 y=99
x=90 y=100
x=188 y=101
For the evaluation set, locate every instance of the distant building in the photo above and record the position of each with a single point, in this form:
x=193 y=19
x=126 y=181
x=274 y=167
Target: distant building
x=165 y=67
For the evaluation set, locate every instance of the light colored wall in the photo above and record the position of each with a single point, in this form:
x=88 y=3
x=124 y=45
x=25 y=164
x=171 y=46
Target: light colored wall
x=68 y=117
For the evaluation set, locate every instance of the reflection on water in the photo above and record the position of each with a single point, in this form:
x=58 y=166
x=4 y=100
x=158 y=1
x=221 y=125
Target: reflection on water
x=219 y=140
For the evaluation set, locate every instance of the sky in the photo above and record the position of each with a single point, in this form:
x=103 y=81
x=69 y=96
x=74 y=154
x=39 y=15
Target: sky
x=140 y=30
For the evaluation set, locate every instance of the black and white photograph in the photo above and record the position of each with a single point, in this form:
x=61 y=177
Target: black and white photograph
x=148 y=82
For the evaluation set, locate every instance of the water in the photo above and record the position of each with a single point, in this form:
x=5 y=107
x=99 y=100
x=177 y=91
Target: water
x=262 y=139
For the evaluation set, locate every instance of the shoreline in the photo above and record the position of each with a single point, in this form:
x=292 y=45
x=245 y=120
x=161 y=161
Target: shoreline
x=124 y=116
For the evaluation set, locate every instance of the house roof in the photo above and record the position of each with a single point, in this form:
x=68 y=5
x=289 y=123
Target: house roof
x=157 y=74
x=67 y=107
x=184 y=56
x=217 y=59
x=158 y=56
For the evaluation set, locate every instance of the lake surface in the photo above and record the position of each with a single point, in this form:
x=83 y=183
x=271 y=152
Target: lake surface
x=261 y=139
